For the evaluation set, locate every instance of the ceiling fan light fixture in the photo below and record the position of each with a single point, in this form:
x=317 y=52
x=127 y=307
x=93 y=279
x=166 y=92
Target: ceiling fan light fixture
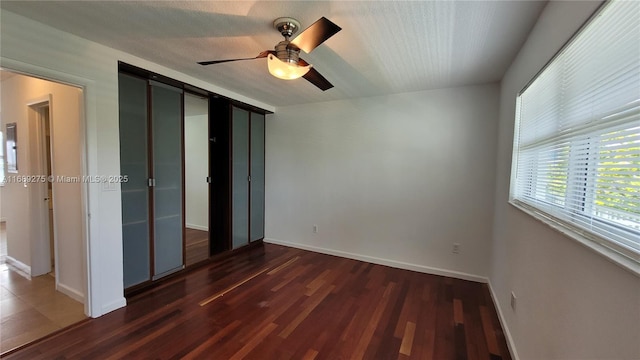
x=284 y=70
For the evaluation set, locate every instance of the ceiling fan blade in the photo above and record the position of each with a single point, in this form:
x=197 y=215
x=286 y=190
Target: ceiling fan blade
x=263 y=54
x=315 y=34
x=314 y=77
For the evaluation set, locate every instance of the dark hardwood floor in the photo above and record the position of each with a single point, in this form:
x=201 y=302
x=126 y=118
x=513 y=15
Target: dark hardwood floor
x=196 y=246
x=275 y=302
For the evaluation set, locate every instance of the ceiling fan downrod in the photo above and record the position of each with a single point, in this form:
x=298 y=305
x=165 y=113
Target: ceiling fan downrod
x=285 y=51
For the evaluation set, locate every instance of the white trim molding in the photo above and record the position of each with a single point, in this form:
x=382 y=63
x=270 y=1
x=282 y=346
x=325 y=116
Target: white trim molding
x=503 y=323
x=70 y=292
x=21 y=268
x=114 y=305
x=380 y=261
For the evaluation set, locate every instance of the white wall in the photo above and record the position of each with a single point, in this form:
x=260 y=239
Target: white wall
x=15 y=199
x=38 y=49
x=572 y=303
x=196 y=154
x=392 y=179
x=2 y=149
x=19 y=201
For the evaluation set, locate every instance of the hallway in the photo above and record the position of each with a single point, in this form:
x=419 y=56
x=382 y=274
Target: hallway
x=31 y=309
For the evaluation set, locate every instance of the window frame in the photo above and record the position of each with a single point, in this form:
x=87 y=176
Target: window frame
x=628 y=258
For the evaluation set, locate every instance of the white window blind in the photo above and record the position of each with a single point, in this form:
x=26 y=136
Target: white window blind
x=577 y=136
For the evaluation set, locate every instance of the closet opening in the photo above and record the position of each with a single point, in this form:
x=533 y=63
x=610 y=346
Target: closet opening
x=195 y=164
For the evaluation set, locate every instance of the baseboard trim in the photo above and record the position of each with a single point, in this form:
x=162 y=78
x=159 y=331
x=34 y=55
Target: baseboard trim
x=380 y=261
x=196 y=227
x=507 y=334
x=19 y=267
x=70 y=292
x=114 y=305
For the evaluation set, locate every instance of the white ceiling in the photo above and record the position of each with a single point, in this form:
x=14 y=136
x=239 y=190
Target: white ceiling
x=384 y=46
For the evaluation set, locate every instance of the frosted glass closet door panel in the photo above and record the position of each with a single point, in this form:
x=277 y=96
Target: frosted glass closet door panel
x=240 y=175
x=257 y=177
x=135 y=192
x=166 y=112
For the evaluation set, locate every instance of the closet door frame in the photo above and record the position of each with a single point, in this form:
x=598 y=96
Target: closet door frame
x=153 y=175
x=231 y=174
x=147 y=189
x=252 y=186
x=219 y=167
x=151 y=196
x=249 y=182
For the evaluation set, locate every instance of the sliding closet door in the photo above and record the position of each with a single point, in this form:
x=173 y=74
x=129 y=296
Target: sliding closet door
x=166 y=120
x=135 y=192
x=240 y=177
x=257 y=177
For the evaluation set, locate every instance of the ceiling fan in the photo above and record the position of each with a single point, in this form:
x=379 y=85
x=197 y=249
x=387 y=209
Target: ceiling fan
x=284 y=62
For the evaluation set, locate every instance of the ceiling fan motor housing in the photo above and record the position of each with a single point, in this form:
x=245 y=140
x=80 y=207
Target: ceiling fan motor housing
x=287 y=52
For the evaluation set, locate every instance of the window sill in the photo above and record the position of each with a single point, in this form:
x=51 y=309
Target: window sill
x=617 y=258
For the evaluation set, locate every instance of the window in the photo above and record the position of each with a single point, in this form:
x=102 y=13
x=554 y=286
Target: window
x=577 y=138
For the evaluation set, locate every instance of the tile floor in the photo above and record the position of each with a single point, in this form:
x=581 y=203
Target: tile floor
x=3 y=241
x=31 y=309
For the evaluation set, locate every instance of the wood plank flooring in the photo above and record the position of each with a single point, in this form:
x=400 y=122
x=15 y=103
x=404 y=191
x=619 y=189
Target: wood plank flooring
x=196 y=246
x=275 y=302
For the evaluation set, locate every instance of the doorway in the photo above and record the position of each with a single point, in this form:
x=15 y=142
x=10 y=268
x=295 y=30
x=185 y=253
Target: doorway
x=196 y=173
x=42 y=216
x=44 y=238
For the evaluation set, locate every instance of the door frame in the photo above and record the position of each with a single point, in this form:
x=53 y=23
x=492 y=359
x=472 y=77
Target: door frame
x=40 y=245
x=88 y=163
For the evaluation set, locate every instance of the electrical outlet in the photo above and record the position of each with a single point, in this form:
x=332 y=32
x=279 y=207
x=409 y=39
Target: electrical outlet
x=315 y=229
x=513 y=301
x=456 y=248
